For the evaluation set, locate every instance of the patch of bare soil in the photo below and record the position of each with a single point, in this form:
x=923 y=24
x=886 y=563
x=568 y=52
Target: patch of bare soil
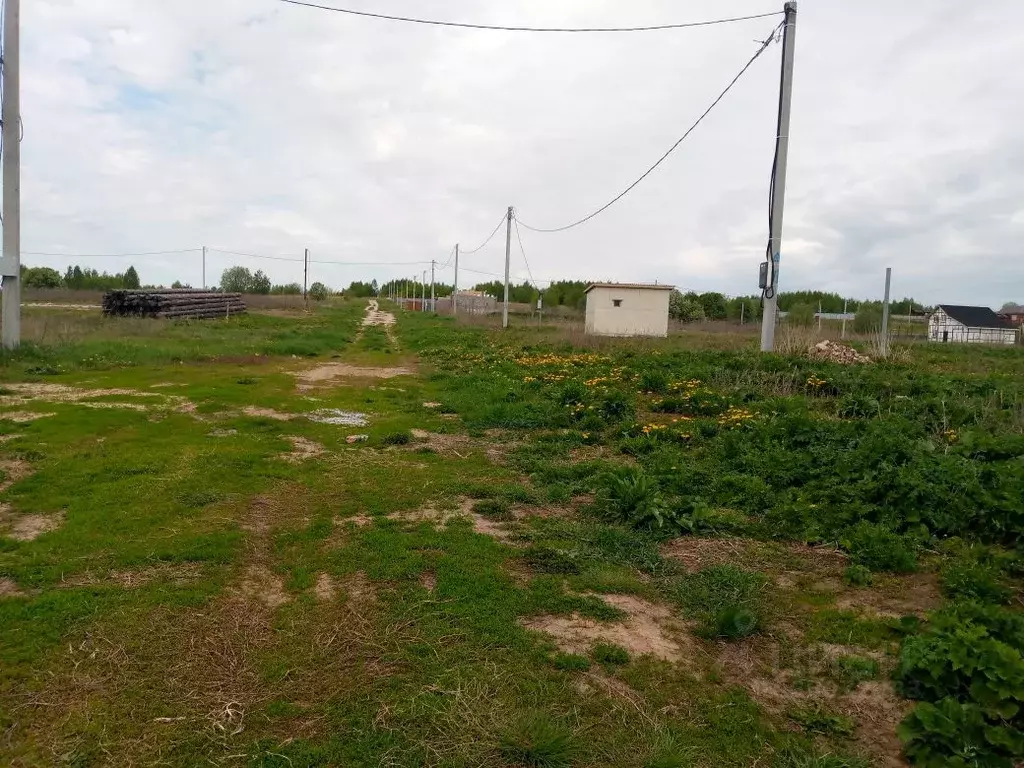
x=22 y=417
x=428 y=580
x=431 y=404
x=444 y=444
x=267 y=413
x=302 y=449
x=13 y=470
x=27 y=527
x=896 y=596
x=222 y=432
x=177 y=574
x=325 y=589
x=358 y=590
x=648 y=629
x=8 y=588
x=358 y=521
x=28 y=392
x=698 y=552
x=260 y=584
x=8 y=438
x=330 y=371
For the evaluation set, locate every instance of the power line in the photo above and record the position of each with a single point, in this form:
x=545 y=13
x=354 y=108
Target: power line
x=631 y=187
x=321 y=261
x=110 y=255
x=502 y=28
x=522 y=250
x=485 y=242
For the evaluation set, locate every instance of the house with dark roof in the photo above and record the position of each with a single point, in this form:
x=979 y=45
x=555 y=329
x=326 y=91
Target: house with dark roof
x=954 y=323
x=1013 y=314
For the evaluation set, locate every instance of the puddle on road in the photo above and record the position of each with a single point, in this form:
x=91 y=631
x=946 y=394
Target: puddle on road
x=339 y=418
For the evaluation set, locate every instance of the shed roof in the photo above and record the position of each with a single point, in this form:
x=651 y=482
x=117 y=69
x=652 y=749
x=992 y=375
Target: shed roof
x=647 y=286
x=974 y=317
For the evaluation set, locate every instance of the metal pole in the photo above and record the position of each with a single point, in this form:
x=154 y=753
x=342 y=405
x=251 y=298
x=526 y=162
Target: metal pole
x=305 y=279
x=771 y=302
x=455 y=288
x=433 y=296
x=884 y=344
x=11 y=115
x=846 y=303
x=508 y=259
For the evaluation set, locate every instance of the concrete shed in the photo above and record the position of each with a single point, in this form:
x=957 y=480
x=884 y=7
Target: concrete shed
x=628 y=309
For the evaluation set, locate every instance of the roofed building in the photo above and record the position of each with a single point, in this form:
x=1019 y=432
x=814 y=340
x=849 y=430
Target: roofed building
x=953 y=323
x=628 y=309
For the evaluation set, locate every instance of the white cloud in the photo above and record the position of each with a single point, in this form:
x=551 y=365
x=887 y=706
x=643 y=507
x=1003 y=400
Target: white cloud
x=266 y=128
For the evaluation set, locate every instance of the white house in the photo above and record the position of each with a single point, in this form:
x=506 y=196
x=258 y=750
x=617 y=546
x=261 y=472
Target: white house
x=969 y=325
x=627 y=309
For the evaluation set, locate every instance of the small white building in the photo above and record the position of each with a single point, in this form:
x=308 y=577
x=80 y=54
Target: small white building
x=953 y=323
x=627 y=309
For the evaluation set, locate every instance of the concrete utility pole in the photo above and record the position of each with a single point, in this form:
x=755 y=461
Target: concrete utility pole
x=11 y=115
x=204 y=267
x=423 y=293
x=455 y=288
x=771 y=300
x=433 y=297
x=508 y=259
x=884 y=342
x=305 y=279
x=846 y=303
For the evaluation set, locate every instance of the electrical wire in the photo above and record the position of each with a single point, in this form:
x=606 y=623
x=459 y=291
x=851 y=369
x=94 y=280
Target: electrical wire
x=451 y=258
x=631 y=187
x=502 y=28
x=489 y=237
x=319 y=261
x=522 y=250
x=768 y=292
x=110 y=255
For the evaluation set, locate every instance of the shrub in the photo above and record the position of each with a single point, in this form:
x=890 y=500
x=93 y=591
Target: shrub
x=801 y=315
x=396 y=438
x=652 y=380
x=732 y=622
x=318 y=291
x=868 y=319
x=879 y=549
x=610 y=654
x=538 y=743
x=975 y=581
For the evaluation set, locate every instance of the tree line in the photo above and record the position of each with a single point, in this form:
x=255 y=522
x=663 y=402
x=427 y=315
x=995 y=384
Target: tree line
x=77 y=278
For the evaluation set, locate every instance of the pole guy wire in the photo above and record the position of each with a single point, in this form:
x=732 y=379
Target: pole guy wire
x=649 y=171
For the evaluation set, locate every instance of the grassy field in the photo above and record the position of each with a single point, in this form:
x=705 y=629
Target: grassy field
x=547 y=551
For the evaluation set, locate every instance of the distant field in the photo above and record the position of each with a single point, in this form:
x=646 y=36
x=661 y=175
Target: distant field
x=539 y=549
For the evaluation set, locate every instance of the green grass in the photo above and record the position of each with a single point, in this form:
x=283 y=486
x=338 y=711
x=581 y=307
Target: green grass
x=203 y=597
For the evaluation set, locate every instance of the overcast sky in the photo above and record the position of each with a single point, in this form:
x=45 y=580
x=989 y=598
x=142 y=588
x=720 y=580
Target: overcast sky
x=265 y=128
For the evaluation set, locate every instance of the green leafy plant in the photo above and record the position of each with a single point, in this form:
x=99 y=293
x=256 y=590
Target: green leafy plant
x=973 y=580
x=632 y=496
x=732 y=622
x=952 y=734
x=879 y=548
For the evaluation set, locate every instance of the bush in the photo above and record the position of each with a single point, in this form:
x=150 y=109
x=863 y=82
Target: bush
x=801 y=315
x=318 y=291
x=876 y=547
x=975 y=581
x=868 y=319
x=732 y=622
x=857 y=576
x=396 y=438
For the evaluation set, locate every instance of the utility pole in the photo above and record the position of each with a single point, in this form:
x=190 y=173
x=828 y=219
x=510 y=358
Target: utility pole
x=455 y=288
x=204 y=267
x=423 y=293
x=743 y=310
x=508 y=259
x=305 y=279
x=433 y=297
x=846 y=303
x=819 y=317
x=884 y=342
x=771 y=300
x=11 y=116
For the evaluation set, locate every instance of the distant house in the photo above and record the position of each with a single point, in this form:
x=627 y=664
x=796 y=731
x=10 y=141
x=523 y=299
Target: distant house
x=470 y=303
x=1013 y=314
x=969 y=325
x=627 y=309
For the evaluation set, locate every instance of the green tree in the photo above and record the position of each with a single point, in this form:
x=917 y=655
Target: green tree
x=40 y=277
x=260 y=283
x=318 y=291
x=800 y=314
x=236 y=280
x=713 y=305
x=131 y=278
x=686 y=308
x=288 y=289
